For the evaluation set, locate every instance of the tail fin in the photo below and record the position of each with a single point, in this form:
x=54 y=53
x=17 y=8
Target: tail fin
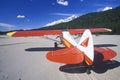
x=86 y=46
x=68 y=39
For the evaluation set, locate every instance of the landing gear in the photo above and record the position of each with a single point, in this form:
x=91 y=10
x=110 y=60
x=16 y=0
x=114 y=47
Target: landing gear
x=55 y=45
x=88 y=70
x=87 y=67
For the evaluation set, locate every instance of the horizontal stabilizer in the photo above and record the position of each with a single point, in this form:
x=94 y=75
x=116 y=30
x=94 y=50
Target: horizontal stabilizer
x=66 y=56
x=106 y=53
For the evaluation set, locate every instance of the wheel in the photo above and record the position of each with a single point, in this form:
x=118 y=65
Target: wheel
x=55 y=44
x=88 y=71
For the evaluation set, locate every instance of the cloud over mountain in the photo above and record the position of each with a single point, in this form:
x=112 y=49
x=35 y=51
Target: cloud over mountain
x=7 y=26
x=106 y=8
x=62 y=20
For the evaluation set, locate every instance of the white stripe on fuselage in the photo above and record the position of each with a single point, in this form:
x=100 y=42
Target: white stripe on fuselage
x=69 y=38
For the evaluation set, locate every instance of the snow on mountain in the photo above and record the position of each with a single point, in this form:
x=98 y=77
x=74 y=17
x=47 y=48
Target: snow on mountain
x=62 y=20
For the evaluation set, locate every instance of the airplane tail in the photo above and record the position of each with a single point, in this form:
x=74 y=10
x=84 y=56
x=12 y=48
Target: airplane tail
x=86 y=46
x=68 y=40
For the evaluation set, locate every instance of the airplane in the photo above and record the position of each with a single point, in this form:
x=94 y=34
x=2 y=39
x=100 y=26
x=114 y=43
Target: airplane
x=73 y=53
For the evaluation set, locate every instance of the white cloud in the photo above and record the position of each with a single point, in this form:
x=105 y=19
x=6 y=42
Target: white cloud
x=62 y=20
x=66 y=14
x=7 y=26
x=62 y=2
x=20 y=16
x=106 y=8
x=62 y=14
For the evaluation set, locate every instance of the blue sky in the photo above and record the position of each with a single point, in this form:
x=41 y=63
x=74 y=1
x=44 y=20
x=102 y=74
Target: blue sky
x=30 y=14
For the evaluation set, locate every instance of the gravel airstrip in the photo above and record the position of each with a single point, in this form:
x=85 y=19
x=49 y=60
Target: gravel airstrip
x=24 y=58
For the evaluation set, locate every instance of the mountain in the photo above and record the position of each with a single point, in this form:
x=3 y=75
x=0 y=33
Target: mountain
x=107 y=19
x=62 y=20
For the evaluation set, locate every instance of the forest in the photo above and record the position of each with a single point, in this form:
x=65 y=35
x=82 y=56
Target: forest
x=104 y=19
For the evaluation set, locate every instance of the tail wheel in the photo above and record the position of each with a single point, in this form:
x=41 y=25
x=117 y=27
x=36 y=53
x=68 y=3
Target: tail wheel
x=88 y=71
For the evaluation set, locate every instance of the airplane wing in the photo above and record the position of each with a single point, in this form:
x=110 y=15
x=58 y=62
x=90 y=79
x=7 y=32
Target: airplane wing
x=66 y=56
x=104 y=54
x=30 y=33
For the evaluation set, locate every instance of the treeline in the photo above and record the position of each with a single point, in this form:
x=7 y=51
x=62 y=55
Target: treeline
x=107 y=19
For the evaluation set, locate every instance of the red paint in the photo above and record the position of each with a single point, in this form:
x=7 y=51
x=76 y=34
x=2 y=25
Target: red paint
x=85 y=42
x=54 y=32
x=75 y=56
x=106 y=52
x=66 y=56
x=36 y=33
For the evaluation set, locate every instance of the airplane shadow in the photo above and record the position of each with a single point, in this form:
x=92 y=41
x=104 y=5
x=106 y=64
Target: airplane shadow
x=43 y=49
x=81 y=68
x=53 y=48
x=105 y=45
x=99 y=66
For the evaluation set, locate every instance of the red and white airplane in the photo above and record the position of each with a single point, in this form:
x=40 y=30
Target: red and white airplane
x=73 y=53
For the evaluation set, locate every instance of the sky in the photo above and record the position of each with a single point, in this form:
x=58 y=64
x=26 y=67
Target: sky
x=31 y=14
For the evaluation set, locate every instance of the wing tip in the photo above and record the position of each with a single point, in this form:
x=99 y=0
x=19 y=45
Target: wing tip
x=11 y=33
x=109 y=30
